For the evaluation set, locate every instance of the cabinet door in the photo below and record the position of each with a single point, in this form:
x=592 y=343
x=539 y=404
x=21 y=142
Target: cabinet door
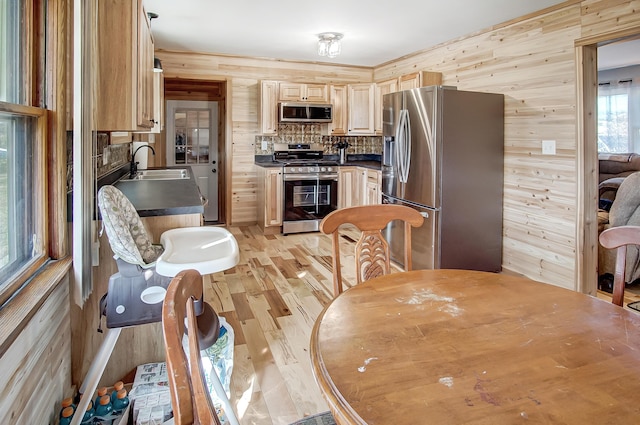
x=338 y=98
x=291 y=92
x=296 y=92
x=420 y=79
x=361 y=104
x=269 y=107
x=409 y=81
x=348 y=187
x=145 y=72
x=382 y=88
x=316 y=93
x=370 y=181
x=158 y=102
x=124 y=86
x=273 y=197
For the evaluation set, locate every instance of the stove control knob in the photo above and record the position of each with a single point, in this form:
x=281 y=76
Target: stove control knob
x=300 y=169
x=323 y=169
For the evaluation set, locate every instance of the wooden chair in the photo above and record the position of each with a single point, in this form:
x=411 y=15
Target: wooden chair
x=372 y=250
x=189 y=394
x=619 y=238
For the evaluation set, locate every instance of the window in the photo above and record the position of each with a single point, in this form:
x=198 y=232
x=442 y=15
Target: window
x=23 y=130
x=619 y=110
x=613 y=123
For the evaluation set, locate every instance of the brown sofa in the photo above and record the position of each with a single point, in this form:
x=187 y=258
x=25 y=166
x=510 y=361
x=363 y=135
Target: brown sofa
x=611 y=165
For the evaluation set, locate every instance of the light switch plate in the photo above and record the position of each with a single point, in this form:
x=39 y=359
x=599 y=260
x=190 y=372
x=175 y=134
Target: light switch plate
x=265 y=146
x=548 y=147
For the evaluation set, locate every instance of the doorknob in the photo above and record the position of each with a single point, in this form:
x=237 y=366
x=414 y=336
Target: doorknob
x=214 y=170
x=213 y=162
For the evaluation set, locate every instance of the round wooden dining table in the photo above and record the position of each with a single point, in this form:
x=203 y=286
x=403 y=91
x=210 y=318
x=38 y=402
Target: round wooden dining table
x=469 y=347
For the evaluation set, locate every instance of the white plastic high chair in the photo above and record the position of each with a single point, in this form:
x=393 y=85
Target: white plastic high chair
x=136 y=293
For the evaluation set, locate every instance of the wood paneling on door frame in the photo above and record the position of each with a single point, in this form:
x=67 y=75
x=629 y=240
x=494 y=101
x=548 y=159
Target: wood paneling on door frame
x=218 y=90
x=587 y=155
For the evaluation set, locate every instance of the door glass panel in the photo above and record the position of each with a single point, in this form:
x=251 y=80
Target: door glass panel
x=192 y=136
x=180 y=119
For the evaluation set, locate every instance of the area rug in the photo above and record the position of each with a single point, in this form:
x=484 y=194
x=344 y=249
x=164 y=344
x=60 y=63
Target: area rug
x=634 y=305
x=324 y=418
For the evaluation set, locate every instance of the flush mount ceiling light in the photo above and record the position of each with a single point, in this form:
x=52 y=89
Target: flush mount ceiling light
x=329 y=44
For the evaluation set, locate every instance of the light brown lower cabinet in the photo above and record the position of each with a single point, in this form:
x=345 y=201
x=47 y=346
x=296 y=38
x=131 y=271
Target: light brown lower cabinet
x=270 y=199
x=359 y=186
x=371 y=182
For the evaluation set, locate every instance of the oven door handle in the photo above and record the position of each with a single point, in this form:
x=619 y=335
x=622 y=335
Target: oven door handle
x=310 y=177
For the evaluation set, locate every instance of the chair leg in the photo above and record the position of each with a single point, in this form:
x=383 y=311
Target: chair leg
x=618 y=278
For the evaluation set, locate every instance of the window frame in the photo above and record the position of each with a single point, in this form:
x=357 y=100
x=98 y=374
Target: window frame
x=36 y=55
x=40 y=199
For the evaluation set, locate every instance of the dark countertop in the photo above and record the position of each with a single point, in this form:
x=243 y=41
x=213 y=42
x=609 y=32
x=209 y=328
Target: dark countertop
x=366 y=161
x=163 y=197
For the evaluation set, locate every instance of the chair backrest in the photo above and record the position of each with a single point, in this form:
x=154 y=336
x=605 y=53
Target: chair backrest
x=127 y=235
x=619 y=238
x=189 y=393
x=372 y=250
x=625 y=209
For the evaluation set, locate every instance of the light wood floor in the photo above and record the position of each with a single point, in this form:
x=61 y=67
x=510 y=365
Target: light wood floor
x=271 y=299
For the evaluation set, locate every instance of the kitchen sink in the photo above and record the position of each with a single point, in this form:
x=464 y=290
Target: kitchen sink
x=162 y=174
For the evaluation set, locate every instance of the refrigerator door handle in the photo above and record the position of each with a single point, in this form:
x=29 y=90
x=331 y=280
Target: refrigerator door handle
x=403 y=146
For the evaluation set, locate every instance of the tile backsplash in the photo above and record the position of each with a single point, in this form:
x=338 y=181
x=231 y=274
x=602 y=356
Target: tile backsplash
x=312 y=133
x=116 y=156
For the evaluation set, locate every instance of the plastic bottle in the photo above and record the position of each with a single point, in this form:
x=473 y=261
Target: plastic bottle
x=66 y=415
x=67 y=402
x=101 y=392
x=104 y=409
x=116 y=387
x=121 y=402
x=89 y=414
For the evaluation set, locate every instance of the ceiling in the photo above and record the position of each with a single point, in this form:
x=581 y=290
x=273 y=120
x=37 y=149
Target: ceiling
x=618 y=55
x=374 y=32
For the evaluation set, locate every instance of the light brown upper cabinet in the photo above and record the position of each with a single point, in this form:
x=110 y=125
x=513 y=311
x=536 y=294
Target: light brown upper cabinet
x=125 y=73
x=419 y=79
x=361 y=109
x=338 y=98
x=382 y=88
x=269 y=107
x=295 y=92
x=158 y=102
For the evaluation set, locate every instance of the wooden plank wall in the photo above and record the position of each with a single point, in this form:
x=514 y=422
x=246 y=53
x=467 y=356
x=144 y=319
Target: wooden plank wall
x=35 y=369
x=532 y=62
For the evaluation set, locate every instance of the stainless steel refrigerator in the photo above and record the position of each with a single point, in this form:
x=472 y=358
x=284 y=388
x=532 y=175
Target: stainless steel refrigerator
x=443 y=155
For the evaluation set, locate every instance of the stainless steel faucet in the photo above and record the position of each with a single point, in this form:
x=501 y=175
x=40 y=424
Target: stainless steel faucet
x=133 y=169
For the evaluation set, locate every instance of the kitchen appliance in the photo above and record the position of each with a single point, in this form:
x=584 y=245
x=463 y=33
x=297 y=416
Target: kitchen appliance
x=443 y=155
x=310 y=186
x=304 y=112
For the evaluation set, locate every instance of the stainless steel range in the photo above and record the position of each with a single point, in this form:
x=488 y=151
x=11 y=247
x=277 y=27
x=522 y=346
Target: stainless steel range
x=310 y=186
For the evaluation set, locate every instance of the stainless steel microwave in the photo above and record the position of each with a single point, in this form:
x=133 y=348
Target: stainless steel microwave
x=304 y=112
